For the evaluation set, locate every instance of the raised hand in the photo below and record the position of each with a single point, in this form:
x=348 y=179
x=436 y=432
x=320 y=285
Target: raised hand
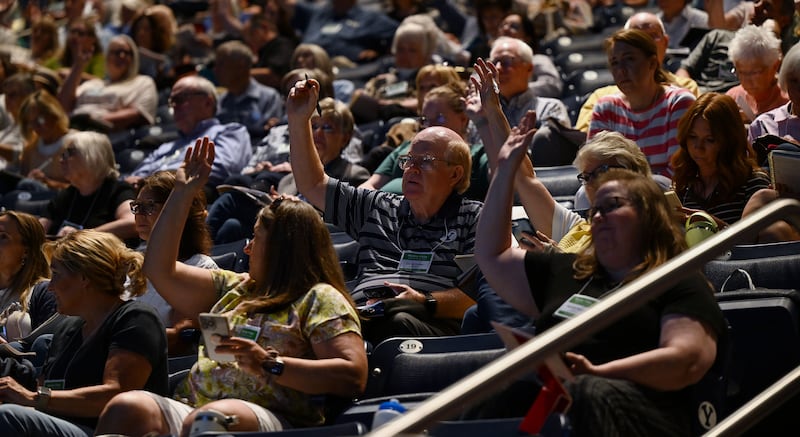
x=196 y=167
x=302 y=99
x=515 y=147
x=485 y=82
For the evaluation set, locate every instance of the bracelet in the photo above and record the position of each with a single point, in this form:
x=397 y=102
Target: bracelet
x=430 y=304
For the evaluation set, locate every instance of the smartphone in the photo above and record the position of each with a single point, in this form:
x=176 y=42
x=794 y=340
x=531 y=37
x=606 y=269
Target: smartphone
x=379 y=292
x=673 y=200
x=211 y=324
x=520 y=225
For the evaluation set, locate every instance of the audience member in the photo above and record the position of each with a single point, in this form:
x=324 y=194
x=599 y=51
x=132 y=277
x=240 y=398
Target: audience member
x=45 y=126
x=194 y=248
x=514 y=62
x=124 y=100
x=311 y=56
x=755 y=53
x=407 y=241
x=708 y=62
x=26 y=303
x=95 y=199
x=232 y=216
x=294 y=275
x=106 y=347
x=637 y=358
x=646 y=109
x=245 y=101
x=678 y=17
x=651 y=25
x=482 y=29
x=443 y=106
x=344 y=28
x=45 y=47
x=16 y=88
x=783 y=121
x=153 y=30
x=194 y=102
x=82 y=45
x=263 y=34
x=775 y=15
x=715 y=167
x=546 y=81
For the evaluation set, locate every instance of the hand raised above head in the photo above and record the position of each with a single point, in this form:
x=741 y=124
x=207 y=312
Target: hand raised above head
x=515 y=147
x=196 y=165
x=302 y=99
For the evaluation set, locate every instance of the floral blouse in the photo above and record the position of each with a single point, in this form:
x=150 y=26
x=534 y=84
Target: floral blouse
x=319 y=315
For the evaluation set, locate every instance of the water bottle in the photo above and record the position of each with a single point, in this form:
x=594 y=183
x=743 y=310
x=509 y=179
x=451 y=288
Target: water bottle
x=387 y=411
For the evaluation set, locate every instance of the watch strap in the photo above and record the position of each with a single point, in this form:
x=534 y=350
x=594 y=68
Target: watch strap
x=42 y=397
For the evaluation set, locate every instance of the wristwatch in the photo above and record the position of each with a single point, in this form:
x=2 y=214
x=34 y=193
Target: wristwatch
x=430 y=304
x=42 y=397
x=274 y=366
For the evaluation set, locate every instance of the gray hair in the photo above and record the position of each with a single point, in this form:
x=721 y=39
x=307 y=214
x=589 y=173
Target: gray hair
x=422 y=33
x=524 y=51
x=613 y=146
x=133 y=69
x=754 y=43
x=97 y=153
x=199 y=83
x=790 y=66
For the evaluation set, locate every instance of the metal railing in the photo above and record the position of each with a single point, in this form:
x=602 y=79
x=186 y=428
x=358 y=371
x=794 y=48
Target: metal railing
x=517 y=363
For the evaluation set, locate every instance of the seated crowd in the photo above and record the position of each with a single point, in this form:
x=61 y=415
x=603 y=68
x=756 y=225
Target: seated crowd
x=133 y=146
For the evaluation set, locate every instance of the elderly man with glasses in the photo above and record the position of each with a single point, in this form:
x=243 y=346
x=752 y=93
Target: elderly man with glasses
x=409 y=242
x=194 y=102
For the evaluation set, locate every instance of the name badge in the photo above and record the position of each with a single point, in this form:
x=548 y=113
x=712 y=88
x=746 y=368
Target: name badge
x=575 y=305
x=419 y=262
x=54 y=384
x=330 y=29
x=248 y=332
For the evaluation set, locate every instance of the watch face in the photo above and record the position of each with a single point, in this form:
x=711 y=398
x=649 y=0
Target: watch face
x=277 y=368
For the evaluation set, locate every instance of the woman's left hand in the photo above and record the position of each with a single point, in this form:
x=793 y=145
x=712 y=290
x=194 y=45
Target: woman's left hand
x=249 y=355
x=12 y=392
x=579 y=364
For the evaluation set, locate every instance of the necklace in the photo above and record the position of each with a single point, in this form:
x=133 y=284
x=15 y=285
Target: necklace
x=88 y=211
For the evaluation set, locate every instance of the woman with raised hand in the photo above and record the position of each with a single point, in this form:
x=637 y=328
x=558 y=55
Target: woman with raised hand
x=633 y=376
x=106 y=346
x=293 y=302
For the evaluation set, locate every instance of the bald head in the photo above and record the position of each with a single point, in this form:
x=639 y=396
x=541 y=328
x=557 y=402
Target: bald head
x=651 y=25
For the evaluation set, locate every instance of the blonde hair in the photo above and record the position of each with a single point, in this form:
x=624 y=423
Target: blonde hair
x=103 y=259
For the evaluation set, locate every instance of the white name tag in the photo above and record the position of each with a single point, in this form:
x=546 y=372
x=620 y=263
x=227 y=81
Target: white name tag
x=576 y=304
x=331 y=28
x=419 y=262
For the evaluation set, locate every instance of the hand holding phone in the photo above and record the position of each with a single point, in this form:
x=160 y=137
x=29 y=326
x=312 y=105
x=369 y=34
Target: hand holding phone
x=213 y=325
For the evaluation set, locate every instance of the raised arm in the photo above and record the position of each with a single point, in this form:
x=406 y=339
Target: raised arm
x=190 y=290
x=494 y=129
x=309 y=175
x=503 y=265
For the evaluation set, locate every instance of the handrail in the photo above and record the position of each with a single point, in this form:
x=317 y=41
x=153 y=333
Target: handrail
x=758 y=407
x=517 y=363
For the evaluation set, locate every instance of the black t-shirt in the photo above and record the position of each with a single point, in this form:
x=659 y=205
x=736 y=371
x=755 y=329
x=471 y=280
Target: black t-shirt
x=89 y=211
x=133 y=326
x=552 y=282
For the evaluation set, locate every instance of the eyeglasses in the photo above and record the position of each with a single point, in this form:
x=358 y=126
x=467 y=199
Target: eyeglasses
x=120 y=53
x=180 y=99
x=68 y=153
x=423 y=162
x=752 y=73
x=613 y=204
x=439 y=120
x=144 y=207
x=586 y=178
x=505 y=61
